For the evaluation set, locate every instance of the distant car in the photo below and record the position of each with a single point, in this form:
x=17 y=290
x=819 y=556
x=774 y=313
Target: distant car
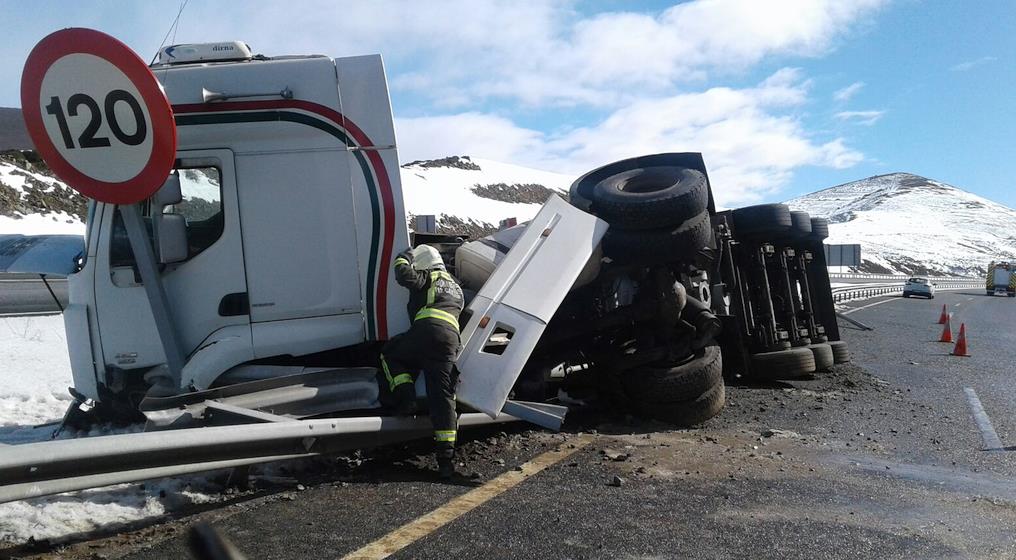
x=919 y=287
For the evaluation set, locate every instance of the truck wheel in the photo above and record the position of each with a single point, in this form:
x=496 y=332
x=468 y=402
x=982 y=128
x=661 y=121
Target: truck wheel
x=764 y=218
x=819 y=228
x=648 y=198
x=688 y=413
x=823 y=354
x=800 y=224
x=783 y=364
x=678 y=244
x=677 y=383
x=840 y=353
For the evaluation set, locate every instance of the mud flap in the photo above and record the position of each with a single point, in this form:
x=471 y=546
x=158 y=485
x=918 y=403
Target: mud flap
x=510 y=312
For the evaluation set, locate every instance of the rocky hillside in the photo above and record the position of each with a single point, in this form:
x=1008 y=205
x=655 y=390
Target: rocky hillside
x=33 y=202
x=908 y=224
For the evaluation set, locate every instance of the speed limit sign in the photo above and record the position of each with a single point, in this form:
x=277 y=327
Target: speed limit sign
x=98 y=116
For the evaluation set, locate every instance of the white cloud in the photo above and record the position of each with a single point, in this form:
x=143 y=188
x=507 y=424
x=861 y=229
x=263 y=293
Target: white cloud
x=964 y=66
x=866 y=118
x=474 y=69
x=536 y=52
x=844 y=95
x=749 y=137
x=473 y=134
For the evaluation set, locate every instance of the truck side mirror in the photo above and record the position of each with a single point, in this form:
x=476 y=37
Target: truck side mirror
x=169 y=193
x=172 y=238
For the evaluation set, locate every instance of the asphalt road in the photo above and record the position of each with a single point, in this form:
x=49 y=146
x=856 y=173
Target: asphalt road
x=24 y=293
x=879 y=459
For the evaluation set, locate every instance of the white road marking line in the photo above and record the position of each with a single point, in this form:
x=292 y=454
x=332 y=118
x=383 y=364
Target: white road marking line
x=429 y=522
x=849 y=311
x=957 y=304
x=988 y=435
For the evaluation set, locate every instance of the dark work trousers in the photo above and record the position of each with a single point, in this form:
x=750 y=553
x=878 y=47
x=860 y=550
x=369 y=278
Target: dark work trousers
x=430 y=345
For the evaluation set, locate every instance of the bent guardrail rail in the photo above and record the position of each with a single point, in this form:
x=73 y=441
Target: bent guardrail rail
x=51 y=467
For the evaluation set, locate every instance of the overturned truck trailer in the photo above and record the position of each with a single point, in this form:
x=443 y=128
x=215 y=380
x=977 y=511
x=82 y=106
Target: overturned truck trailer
x=276 y=234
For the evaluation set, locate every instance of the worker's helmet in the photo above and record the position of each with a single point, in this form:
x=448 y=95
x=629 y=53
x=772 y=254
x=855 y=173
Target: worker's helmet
x=426 y=257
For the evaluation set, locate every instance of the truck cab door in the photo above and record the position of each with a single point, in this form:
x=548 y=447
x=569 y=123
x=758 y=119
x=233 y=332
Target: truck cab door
x=207 y=290
x=514 y=306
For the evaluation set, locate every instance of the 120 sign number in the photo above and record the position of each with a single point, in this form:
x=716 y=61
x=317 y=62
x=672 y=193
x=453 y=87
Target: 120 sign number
x=87 y=139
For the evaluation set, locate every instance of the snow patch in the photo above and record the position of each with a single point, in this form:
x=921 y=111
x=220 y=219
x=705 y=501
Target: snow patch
x=449 y=190
x=34 y=375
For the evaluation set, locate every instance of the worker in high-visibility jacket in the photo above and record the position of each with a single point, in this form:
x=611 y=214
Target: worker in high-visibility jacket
x=430 y=345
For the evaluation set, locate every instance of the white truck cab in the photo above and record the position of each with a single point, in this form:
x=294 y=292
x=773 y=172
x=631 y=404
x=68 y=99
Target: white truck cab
x=292 y=205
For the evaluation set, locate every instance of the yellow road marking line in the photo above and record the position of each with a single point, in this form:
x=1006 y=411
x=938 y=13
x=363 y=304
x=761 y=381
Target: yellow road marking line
x=429 y=522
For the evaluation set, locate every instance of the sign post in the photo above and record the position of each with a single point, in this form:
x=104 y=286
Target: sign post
x=100 y=120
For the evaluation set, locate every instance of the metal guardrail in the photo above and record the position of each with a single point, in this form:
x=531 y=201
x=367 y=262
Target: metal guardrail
x=864 y=291
x=50 y=467
x=900 y=277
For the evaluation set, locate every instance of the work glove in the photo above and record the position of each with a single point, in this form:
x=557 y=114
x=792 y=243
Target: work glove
x=407 y=254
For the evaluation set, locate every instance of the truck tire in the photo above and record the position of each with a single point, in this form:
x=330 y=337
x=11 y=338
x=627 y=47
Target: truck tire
x=688 y=413
x=783 y=364
x=668 y=245
x=819 y=228
x=764 y=218
x=676 y=383
x=580 y=193
x=840 y=353
x=648 y=198
x=800 y=224
x=823 y=354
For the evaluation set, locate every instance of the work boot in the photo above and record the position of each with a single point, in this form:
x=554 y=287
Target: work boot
x=405 y=400
x=445 y=462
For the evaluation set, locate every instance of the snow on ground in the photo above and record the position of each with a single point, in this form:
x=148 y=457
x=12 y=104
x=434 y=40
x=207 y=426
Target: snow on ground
x=54 y=223
x=34 y=375
x=447 y=190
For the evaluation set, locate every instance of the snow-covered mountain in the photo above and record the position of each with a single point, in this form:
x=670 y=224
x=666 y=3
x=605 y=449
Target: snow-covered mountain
x=471 y=195
x=909 y=224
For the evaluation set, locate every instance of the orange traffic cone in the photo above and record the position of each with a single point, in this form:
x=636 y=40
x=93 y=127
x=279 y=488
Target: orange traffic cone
x=946 y=332
x=961 y=342
x=943 y=317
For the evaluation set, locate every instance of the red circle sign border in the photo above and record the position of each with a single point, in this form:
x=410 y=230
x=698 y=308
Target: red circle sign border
x=88 y=41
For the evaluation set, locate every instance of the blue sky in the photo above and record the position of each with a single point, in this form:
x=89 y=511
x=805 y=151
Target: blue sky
x=783 y=97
